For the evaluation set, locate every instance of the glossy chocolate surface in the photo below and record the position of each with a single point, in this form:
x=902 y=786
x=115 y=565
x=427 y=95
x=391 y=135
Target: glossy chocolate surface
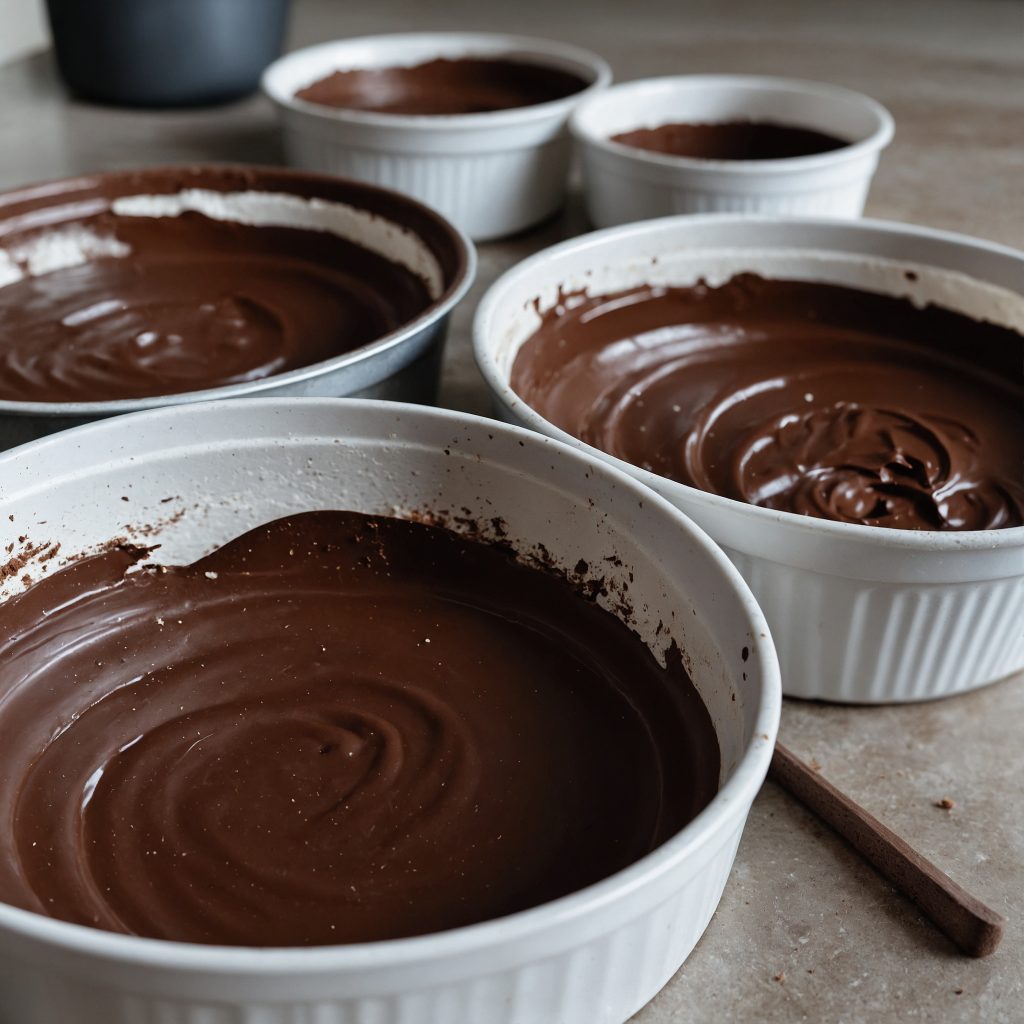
x=731 y=140
x=198 y=303
x=810 y=398
x=466 y=85
x=336 y=728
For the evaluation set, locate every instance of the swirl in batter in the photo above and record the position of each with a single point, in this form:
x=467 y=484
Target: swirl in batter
x=197 y=304
x=336 y=728
x=810 y=398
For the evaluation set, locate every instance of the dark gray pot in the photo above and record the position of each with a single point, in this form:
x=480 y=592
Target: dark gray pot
x=163 y=53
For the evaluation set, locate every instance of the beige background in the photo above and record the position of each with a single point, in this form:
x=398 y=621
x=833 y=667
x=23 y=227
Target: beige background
x=22 y=28
x=805 y=931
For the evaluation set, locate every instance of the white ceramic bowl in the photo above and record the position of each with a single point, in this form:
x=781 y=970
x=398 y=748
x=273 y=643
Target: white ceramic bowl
x=60 y=223
x=491 y=173
x=593 y=957
x=625 y=184
x=858 y=613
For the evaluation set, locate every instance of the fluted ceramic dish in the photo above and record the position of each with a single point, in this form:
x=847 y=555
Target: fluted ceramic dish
x=861 y=614
x=624 y=183
x=593 y=957
x=491 y=173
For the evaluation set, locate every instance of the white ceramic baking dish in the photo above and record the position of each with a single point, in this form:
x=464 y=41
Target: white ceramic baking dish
x=491 y=173
x=60 y=224
x=593 y=957
x=858 y=613
x=625 y=184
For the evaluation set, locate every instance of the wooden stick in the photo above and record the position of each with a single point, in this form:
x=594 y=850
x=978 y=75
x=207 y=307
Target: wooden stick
x=974 y=927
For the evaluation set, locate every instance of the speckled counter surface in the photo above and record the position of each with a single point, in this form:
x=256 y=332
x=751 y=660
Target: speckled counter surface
x=805 y=932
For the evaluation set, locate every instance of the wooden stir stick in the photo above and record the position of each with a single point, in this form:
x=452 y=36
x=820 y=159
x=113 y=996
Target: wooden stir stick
x=974 y=927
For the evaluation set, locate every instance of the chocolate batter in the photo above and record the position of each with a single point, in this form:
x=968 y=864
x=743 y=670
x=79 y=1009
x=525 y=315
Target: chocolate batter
x=811 y=398
x=197 y=304
x=467 y=85
x=732 y=140
x=336 y=728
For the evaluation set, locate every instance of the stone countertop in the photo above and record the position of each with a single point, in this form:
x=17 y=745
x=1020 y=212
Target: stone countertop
x=805 y=931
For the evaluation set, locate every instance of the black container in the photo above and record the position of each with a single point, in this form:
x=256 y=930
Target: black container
x=161 y=53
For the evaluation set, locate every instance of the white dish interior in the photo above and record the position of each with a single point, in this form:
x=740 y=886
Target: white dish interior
x=226 y=467
x=71 y=246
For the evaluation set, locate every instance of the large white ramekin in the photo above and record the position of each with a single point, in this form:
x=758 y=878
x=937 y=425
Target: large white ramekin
x=858 y=613
x=593 y=957
x=491 y=173
x=625 y=184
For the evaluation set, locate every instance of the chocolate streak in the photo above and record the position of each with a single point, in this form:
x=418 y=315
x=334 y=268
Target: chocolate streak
x=811 y=398
x=197 y=304
x=732 y=140
x=336 y=728
x=467 y=85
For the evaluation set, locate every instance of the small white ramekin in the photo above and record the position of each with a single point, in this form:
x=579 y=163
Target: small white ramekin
x=492 y=173
x=859 y=614
x=625 y=184
x=593 y=957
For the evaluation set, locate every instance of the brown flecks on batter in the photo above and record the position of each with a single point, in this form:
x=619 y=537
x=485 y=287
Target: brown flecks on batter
x=377 y=710
x=15 y=565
